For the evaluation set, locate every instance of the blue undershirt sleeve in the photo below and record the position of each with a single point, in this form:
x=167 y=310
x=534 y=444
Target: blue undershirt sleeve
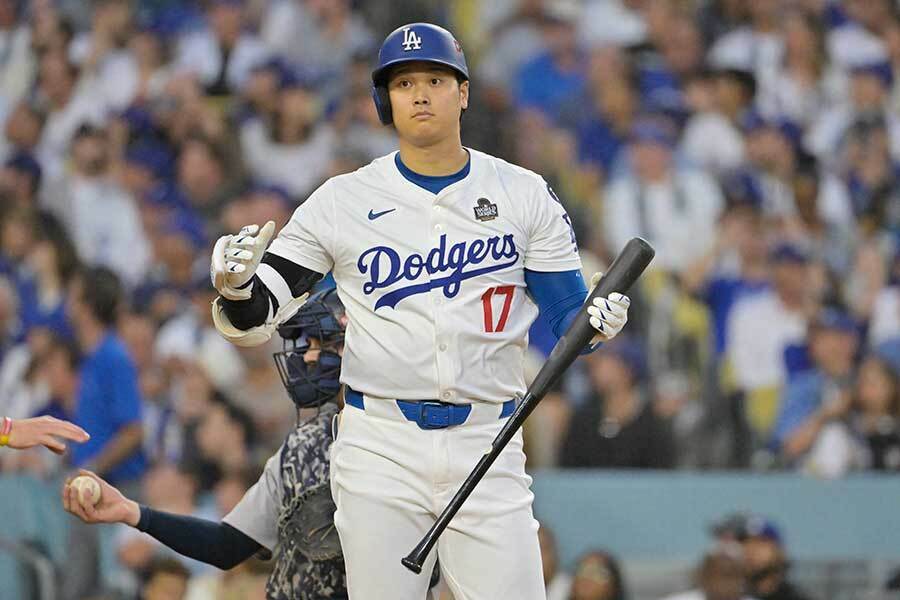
x=559 y=296
x=217 y=544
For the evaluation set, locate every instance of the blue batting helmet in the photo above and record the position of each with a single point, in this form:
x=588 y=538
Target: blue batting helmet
x=416 y=41
x=312 y=383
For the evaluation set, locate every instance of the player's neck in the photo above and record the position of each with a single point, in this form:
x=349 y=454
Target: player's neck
x=444 y=158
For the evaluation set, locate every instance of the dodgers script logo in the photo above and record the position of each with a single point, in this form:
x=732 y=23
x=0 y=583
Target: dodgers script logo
x=385 y=268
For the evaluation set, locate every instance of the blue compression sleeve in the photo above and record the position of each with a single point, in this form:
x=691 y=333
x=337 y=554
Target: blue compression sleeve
x=217 y=544
x=559 y=296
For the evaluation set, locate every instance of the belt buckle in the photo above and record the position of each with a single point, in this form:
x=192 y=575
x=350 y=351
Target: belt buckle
x=423 y=412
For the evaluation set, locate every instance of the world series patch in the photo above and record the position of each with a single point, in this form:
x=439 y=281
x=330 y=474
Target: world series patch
x=485 y=210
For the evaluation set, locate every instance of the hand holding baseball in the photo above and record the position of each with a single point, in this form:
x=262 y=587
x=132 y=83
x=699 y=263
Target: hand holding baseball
x=93 y=500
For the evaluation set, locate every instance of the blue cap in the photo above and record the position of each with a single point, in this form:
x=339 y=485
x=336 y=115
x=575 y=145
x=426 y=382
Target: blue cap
x=419 y=41
x=754 y=121
x=653 y=131
x=26 y=163
x=742 y=189
x=166 y=195
x=152 y=156
x=296 y=79
x=835 y=319
x=169 y=18
x=271 y=189
x=882 y=70
x=788 y=252
x=762 y=528
x=185 y=225
x=140 y=121
x=272 y=63
x=630 y=352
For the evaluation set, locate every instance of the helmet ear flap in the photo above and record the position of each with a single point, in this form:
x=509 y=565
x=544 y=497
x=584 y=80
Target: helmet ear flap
x=382 y=100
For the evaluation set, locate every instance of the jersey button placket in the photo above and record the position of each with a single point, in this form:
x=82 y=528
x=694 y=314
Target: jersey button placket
x=442 y=357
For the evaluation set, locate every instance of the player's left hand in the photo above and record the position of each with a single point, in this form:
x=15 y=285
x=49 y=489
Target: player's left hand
x=608 y=316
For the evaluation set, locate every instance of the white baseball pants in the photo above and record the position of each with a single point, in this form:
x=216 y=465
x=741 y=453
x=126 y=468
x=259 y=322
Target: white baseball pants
x=390 y=479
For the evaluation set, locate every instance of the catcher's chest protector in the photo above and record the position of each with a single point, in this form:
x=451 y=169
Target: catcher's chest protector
x=309 y=564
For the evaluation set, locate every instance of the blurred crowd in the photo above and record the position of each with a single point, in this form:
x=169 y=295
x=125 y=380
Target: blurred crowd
x=747 y=559
x=754 y=143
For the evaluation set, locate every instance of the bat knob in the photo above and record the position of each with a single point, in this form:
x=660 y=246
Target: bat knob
x=412 y=564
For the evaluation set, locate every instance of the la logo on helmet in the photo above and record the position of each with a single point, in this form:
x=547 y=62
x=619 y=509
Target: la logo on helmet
x=411 y=41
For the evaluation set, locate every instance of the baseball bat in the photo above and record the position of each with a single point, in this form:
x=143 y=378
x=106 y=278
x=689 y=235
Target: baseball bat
x=622 y=273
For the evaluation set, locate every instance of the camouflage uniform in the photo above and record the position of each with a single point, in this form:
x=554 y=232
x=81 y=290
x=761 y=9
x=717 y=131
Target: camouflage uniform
x=301 y=571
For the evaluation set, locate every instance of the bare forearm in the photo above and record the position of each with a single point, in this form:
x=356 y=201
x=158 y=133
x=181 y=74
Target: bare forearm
x=696 y=274
x=803 y=439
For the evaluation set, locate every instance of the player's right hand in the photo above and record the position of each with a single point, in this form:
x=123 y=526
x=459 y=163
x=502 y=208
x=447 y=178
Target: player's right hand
x=235 y=259
x=113 y=506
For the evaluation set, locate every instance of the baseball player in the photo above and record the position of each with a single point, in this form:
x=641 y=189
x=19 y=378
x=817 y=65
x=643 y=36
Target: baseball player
x=443 y=257
x=289 y=510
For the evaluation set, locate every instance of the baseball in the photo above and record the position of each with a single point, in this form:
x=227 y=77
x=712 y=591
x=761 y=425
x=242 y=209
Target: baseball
x=83 y=483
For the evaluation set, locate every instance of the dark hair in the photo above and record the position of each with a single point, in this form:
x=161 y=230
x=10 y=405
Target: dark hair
x=887 y=368
x=67 y=29
x=615 y=571
x=102 y=293
x=215 y=151
x=246 y=476
x=167 y=565
x=239 y=416
x=50 y=230
x=89 y=130
x=68 y=348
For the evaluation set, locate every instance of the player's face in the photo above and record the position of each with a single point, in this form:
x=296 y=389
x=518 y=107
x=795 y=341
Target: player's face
x=315 y=349
x=426 y=101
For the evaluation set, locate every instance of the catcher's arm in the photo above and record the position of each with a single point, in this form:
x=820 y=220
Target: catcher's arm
x=218 y=544
x=215 y=543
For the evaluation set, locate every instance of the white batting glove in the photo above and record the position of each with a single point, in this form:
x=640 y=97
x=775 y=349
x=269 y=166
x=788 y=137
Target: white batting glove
x=235 y=259
x=608 y=315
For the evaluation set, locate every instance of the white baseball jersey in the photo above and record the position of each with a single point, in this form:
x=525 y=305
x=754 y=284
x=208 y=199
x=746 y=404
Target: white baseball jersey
x=433 y=284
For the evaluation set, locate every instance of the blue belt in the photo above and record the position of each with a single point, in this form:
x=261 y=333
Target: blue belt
x=430 y=414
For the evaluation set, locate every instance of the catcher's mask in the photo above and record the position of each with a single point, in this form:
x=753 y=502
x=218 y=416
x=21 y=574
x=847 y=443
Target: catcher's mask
x=310 y=363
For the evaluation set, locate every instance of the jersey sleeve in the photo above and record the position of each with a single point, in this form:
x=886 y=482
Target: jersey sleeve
x=551 y=245
x=308 y=238
x=256 y=515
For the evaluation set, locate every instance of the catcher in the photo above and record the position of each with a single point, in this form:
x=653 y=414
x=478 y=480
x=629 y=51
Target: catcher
x=289 y=511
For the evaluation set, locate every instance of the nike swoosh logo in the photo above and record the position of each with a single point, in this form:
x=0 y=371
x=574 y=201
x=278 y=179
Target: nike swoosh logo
x=374 y=215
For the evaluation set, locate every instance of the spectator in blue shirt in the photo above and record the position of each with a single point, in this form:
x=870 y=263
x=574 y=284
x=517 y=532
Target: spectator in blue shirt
x=548 y=80
x=108 y=403
x=42 y=284
x=737 y=264
x=814 y=398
